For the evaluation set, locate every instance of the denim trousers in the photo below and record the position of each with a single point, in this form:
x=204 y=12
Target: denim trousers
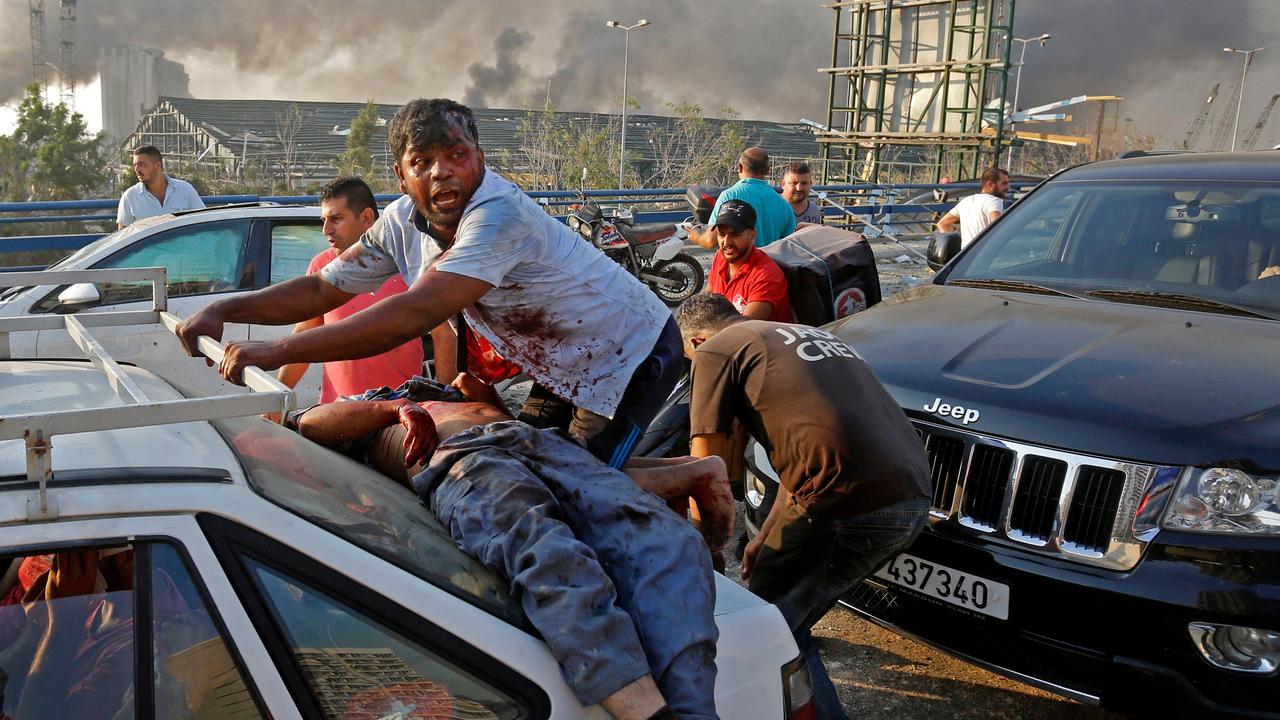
x=809 y=563
x=617 y=584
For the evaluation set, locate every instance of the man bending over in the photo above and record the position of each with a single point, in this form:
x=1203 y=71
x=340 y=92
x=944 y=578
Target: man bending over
x=538 y=509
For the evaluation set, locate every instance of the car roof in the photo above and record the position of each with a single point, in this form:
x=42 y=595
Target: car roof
x=32 y=387
x=1258 y=166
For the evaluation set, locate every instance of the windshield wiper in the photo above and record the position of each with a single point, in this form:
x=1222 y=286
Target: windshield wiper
x=1004 y=284
x=1179 y=300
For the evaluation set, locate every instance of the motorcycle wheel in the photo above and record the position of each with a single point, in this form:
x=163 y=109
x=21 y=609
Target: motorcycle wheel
x=684 y=269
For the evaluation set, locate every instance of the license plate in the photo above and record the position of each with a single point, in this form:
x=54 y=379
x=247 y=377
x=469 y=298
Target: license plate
x=948 y=585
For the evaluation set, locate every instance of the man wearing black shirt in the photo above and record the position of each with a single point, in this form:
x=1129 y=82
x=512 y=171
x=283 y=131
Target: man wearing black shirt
x=855 y=484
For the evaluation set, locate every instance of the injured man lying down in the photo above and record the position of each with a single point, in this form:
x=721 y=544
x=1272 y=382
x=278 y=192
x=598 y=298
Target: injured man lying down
x=619 y=585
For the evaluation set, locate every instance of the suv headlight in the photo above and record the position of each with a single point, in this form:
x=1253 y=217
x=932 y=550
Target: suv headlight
x=1225 y=500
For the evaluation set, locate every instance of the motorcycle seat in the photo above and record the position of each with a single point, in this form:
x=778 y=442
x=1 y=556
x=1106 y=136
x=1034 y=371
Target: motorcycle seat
x=648 y=232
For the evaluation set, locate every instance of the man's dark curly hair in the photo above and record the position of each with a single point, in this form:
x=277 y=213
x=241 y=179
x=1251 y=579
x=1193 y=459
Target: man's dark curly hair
x=422 y=123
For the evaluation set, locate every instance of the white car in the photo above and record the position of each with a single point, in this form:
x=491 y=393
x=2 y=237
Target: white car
x=271 y=577
x=209 y=254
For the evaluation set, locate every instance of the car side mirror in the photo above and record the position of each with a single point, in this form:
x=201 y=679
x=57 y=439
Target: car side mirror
x=943 y=247
x=77 y=297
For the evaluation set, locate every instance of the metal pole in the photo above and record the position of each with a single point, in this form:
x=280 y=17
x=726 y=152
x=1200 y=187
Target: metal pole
x=622 y=144
x=1017 y=87
x=1239 y=100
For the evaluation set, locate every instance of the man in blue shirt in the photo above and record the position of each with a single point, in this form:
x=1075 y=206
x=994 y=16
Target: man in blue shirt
x=774 y=217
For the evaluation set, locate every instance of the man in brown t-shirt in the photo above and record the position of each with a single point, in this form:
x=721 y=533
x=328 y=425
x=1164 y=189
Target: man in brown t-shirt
x=855 y=482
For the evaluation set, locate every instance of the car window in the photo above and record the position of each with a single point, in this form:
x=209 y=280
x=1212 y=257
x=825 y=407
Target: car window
x=355 y=666
x=69 y=624
x=365 y=507
x=1213 y=241
x=292 y=247
x=196 y=676
x=200 y=259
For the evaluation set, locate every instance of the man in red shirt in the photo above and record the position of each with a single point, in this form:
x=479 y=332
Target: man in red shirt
x=348 y=210
x=750 y=279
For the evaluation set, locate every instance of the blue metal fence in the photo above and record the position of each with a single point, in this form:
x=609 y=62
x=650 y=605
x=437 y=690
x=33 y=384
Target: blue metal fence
x=884 y=205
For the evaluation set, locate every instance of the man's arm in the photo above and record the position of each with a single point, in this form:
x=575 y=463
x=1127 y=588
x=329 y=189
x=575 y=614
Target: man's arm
x=444 y=345
x=433 y=298
x=706 y=237
x=991 y=216
x=291 y=301
x=948 y=222
x=290 y=374
x=335 y=423
x=758 y=310
x=752 y=550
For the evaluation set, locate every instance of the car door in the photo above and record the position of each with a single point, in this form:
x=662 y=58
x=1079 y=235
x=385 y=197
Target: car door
x=205 y=262
x=128 y=617
x=287 y=245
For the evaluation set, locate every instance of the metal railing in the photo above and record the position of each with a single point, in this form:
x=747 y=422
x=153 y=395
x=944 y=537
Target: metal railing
x=884 y=206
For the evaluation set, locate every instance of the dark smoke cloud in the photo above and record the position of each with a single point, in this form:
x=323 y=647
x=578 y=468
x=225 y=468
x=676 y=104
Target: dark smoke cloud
x=759 y=57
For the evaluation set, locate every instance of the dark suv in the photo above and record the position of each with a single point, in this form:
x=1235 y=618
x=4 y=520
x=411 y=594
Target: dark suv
x=1096 y=381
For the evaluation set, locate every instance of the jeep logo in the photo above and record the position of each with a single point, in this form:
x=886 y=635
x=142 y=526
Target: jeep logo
x=963 y=414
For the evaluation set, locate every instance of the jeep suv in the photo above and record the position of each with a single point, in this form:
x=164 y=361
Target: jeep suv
x=1095 y=383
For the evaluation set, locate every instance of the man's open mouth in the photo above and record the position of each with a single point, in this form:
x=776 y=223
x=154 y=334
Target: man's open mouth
x=445 y=200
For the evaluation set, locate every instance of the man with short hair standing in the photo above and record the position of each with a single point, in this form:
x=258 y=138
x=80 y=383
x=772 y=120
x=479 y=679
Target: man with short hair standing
x=796 y=183
x=774 y=218
x=974 y=213
x=155 y=192
x=348 y=209
x=750 y=279
x=854 y=481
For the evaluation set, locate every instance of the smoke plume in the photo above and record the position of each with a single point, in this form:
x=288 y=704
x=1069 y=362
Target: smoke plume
x=756 y=56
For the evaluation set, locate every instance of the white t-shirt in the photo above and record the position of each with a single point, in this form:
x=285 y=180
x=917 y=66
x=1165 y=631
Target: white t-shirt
x=570 y=317
x=137 y=202
x=974 y=212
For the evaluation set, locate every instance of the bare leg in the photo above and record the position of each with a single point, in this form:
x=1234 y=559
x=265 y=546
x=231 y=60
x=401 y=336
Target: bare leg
x=704 y=480
x=639 y=700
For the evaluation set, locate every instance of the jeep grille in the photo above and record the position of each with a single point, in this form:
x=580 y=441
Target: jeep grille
x=1074 y=506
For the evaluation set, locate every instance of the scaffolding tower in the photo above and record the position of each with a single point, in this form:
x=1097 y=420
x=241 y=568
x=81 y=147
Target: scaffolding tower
x=917 y=89
x=67 y=52
x=39 y=61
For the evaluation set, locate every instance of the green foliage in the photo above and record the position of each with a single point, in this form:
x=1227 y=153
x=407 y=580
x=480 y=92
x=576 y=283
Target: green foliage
x=556 y=155
x=695 y=149
x=50 y=155
x=357 y=159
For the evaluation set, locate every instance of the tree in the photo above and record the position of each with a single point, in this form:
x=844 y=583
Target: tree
x=288 y=123
x=51 y=155
x=357 y=159
x=555 y=153
x=693 y=149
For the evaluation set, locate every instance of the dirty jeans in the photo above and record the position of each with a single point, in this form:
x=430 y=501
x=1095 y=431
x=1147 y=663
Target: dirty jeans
x=807 y=564
x=617 y=584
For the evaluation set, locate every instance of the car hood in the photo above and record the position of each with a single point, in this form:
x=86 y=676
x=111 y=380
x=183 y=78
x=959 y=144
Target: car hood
x=1130 y=382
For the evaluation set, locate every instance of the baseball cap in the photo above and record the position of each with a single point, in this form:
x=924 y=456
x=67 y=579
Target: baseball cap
x=736 y=214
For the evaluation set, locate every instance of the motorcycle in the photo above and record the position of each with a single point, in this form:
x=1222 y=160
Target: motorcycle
x=653 y=252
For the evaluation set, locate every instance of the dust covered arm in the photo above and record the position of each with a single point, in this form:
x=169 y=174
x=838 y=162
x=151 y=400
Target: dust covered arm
x=333 y=424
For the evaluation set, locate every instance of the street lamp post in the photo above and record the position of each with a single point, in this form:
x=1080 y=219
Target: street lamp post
x=1248 y=55
x=626 y=52
x=1017 y=85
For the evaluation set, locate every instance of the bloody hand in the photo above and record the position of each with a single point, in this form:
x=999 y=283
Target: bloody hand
x=420 y=438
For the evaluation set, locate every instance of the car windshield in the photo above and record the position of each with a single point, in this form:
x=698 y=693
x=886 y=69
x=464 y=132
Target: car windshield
x=1193 y=245
x=365 y=507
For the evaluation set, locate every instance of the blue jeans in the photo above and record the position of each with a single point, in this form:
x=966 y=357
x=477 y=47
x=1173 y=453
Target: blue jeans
x=807 y=564
x=617 y=584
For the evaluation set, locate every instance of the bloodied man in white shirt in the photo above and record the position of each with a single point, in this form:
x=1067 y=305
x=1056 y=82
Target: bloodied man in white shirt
x=594 y=339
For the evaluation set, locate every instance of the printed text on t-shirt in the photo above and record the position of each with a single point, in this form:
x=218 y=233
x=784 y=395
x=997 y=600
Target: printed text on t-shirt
x=822 y=345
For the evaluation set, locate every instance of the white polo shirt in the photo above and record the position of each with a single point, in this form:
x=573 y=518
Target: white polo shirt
x=137 y=202
x=569 y=316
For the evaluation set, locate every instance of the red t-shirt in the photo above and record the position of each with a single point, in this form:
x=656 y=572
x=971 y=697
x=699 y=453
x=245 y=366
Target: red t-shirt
x=758 y=280
x=352 y=377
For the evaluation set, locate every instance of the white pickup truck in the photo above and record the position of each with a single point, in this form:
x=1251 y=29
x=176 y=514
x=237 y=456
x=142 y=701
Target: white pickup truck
x=266 y=576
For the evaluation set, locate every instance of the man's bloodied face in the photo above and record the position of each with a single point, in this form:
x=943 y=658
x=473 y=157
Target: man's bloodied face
x=442 y=178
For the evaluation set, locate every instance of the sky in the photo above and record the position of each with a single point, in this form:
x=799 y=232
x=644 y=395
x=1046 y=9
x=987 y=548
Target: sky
x=756 y=56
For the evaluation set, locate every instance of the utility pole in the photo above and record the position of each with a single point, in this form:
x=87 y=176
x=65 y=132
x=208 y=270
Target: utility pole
x=626 y=51
x=1248 y=55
